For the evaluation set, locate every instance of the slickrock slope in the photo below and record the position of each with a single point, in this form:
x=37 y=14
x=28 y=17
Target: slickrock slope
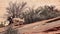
x=39 y=26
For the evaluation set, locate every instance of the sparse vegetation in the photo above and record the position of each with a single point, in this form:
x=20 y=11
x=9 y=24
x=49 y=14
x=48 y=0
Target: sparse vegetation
x=31 y=15
x=15 y=10
x=41 y=13
x=10 y=30
x=18 y=15
x=1 y=25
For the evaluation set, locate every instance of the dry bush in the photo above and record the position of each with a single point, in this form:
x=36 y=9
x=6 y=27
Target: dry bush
x=49 y=12
x=15 y=10
x=10 y=30
x=41 y=13
x=1 y=25
x=28 y=15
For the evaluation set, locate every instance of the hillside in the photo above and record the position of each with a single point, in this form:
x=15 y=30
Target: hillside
x=38 y=27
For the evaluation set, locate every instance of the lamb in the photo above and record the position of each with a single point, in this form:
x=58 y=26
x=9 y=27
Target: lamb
x=18 y=21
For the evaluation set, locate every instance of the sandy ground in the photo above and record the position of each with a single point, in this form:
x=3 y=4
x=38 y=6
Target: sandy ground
x=31 y=3
x=36 y=28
